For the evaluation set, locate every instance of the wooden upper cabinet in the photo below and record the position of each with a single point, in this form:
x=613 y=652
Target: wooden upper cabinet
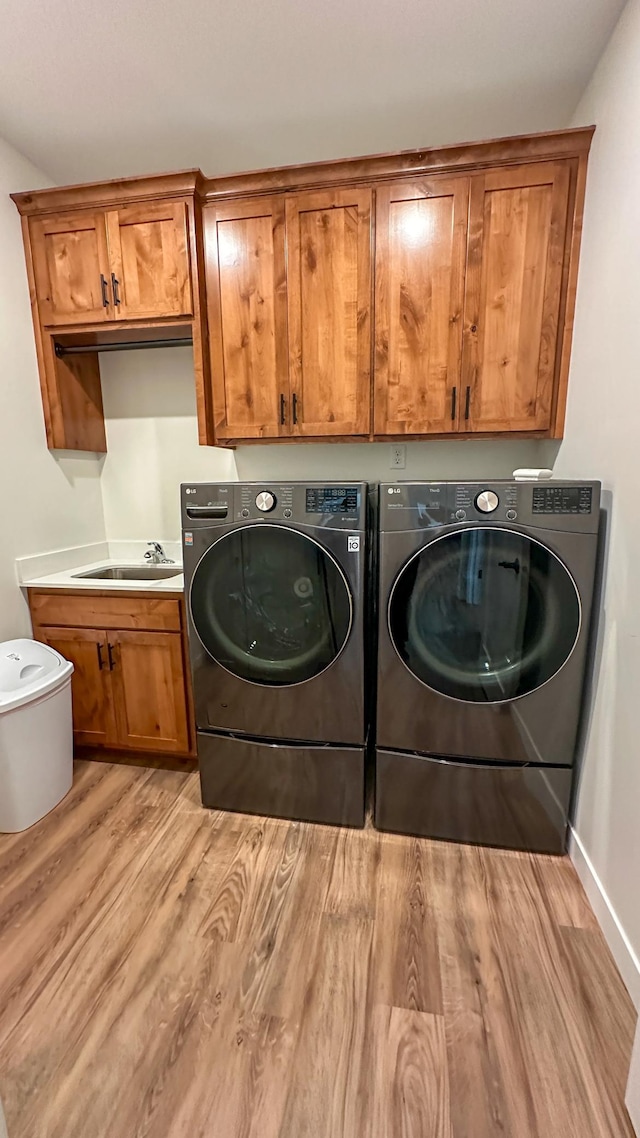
x=517 y=237
x=329 y=306
x=71 y=268
x=246 y=296
x=149 y=260
x=421 y=230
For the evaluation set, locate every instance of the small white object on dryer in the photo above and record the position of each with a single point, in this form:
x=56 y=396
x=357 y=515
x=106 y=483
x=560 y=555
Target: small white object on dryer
x=532 y=474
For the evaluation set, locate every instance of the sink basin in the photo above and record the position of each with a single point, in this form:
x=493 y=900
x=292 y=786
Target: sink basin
x=132 y=573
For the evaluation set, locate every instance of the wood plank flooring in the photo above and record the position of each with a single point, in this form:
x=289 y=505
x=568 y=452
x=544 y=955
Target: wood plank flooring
x=166 y=971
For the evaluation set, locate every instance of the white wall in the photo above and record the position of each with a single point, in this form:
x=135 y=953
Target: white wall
x=152 y=440
x=45 y=502
x=602 y=440
x=153 y=446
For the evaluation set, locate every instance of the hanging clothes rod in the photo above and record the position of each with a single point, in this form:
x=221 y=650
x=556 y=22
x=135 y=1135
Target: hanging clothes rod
x=126 y=346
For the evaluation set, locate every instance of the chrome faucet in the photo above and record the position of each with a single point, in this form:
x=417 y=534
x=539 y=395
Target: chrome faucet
x=156 y=555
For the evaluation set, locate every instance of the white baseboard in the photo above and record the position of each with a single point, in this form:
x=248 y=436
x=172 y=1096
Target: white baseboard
x=615 y=936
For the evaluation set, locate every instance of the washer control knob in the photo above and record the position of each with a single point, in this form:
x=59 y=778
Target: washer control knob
x=287 y=513
x=461 y=515
x=245 y=513
x=266 y=501
x=487 y=501
x=511 y=515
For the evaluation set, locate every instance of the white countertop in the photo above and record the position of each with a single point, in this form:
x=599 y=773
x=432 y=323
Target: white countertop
x=63 y=569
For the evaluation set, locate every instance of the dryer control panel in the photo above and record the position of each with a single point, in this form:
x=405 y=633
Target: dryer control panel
x=550 y=505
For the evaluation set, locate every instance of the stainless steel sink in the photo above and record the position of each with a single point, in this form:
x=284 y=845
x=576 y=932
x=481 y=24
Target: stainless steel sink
x=132 y=573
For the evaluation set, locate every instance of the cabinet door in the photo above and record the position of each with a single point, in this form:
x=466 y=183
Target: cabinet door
x=149 y=255
x=421 y=228
x=71 y=268
x=329 y=302
x=93 y=719
x=246 y=295
x=149 y=691
x=517 y=231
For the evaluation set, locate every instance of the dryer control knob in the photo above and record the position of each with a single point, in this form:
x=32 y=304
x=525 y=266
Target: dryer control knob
x=461 y=515
x=245 y=513
x=487 y=501
x=266 y=501
x=287 y=513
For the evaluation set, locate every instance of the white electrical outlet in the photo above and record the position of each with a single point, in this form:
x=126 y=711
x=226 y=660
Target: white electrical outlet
x=398 y=456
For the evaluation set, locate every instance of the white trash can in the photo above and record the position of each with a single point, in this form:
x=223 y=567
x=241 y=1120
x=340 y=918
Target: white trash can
x=36 y=734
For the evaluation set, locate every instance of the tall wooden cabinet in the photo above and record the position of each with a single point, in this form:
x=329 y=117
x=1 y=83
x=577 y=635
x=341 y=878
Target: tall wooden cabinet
x=246 y=294
x=421 y=238
x=108 y=264
x=329 y=306
x=518 y=224
x=289 y=295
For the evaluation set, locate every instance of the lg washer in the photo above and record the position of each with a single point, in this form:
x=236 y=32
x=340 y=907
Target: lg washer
x=275 y=576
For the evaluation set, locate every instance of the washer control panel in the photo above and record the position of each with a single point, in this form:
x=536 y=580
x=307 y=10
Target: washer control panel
x=328 y=504
x=552 y=505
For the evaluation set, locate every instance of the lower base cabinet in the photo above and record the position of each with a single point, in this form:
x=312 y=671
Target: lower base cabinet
x=130 y=685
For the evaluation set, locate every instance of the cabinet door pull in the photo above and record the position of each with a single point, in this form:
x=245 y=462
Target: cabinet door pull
x=100 y=661
x=115 y=284
x=467 y=402
x=454 y=395
x=105 y=295
x=110 y=654
x=282 y=409
x=294 y=409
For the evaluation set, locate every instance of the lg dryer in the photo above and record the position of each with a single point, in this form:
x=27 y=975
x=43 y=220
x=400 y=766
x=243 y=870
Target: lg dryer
x=275 y=580
x=484 y=605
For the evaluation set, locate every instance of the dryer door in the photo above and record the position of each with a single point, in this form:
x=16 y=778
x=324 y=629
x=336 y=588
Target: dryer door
x=484 y=614
x=271 y=605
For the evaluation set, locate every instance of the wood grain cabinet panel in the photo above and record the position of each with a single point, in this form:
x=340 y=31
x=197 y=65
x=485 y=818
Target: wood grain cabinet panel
x=421 y=229
x=245 y=256
x=149 y=260
x=329 y=306
x=517 y=235
x=149 y=691
x=93 y=717
x=71 y=268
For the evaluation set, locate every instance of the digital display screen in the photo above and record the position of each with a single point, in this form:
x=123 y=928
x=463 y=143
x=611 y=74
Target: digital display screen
x=332 y=500
x=562 y=500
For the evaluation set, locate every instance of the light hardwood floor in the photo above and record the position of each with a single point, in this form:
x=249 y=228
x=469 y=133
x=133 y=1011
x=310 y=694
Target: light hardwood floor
x=166 y=971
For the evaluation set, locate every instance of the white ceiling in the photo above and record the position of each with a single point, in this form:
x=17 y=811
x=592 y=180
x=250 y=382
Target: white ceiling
x=101 y=88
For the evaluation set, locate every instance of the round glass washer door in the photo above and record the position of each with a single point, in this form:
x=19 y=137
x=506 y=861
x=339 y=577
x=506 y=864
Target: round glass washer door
x=484 y=615
x=271 y=605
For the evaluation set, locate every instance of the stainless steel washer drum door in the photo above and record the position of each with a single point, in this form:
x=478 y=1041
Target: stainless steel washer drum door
x=271 y=605
x=484 y=614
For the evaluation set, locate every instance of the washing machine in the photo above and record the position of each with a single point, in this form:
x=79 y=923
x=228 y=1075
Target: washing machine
x=485 y=596
x=275 y=579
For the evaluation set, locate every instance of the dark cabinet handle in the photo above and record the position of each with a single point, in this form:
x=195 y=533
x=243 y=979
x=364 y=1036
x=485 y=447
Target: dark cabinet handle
x=282 y=409
x=454 y=396
x=467 y=402
x=115 y=284
x=100 y=661
x=110 y=653
x=294 y=409
x=105 y=294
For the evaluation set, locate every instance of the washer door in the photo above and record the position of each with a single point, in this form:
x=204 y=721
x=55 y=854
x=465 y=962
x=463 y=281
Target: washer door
x=484 y=615
x=271 y=605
